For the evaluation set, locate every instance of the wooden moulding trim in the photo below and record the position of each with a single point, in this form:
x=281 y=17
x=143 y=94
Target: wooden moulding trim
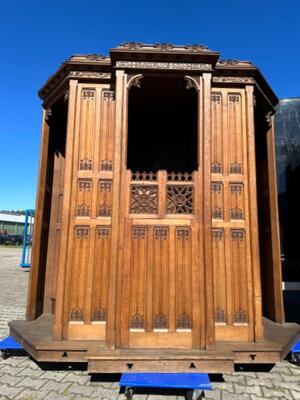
x=274 y=219
x=209 y=322
x=32 y=301
x=254 y=245
x=61 y=273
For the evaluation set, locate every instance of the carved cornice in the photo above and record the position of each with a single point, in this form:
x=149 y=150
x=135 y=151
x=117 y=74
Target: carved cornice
x=89 y=75
x=134 y=80
x=164 y=65
x=233 y=79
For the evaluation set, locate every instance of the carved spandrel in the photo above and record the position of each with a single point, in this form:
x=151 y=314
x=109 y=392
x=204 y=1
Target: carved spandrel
x=143 y=199
x=180 y=199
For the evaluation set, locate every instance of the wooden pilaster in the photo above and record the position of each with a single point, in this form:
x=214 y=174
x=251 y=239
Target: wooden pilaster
x=274 y=221
x=34 y=304
x=207 y=226
x=254 y=237
x=66 y=217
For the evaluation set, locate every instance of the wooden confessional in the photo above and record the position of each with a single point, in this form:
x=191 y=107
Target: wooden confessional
x=156 y=242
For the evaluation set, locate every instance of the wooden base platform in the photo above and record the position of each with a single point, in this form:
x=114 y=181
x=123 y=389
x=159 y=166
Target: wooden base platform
x=36 y=339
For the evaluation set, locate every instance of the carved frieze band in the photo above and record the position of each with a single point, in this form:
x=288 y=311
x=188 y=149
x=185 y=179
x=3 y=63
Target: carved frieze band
x=89 y=75
x=164 y=65
x=233 y=79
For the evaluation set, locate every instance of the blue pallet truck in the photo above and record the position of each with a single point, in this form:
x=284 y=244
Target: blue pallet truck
x=10 y=347
x=195 y=383
x=295 y=354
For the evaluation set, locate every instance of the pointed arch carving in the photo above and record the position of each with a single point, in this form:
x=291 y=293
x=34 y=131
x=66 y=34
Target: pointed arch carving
x=192 y=82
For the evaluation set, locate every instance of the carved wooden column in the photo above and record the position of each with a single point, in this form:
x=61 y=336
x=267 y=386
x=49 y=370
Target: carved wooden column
x=115 y=222
x=255 y=258
x=66 y=217
x=33 y=308
x=274 y=221
x=207 y=225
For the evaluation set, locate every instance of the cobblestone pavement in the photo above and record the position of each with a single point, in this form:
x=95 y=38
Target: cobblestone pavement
x=21 y=378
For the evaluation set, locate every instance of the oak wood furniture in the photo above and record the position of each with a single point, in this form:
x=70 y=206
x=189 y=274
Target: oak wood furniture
x=156 y=242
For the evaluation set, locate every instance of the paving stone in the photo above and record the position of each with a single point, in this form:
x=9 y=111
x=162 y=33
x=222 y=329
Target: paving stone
x=80 y=379
x=59 y=387
x=231 y=396
x=29 y=382
x=10 y=391
x=223 y=386
x=259 y=382
x=277 y=393
x=213 y=394
x=252 y=389
x=11 y=380
x=238 y=378
x=80 y=389
x=58 y=396
x=295 y=394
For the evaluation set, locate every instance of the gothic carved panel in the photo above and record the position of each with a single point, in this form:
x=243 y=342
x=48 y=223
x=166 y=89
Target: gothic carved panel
x=82 y=232
x=161 y=233
x=160 y=321
x=143 y=199
x=106 y=165
x=219 y=274
x=88 y=94
x=139 y=232
x=104 y=201
x=236 y=201
x=99 y=314
x=76 y=314
x=183 y=233
x=137 y=321
x=217 y=200
x=220 y=315
x=108 y=95
x=84 y=197
x=184 y=322
x=179 y=199
x=236 y=126
x=217 y=133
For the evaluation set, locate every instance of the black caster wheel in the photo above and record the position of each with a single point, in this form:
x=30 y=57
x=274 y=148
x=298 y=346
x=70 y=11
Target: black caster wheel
x=4 y=354
x=129 y=393
x=295 y=358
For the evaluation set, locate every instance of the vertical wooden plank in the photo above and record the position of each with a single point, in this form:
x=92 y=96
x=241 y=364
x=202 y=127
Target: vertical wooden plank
x=274 y=221
x=33 y=290
x=255 y=259
x=207 y=226
x=119 y=132
x=57 y=331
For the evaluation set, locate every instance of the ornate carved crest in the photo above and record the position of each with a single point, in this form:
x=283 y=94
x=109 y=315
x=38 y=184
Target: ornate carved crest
x=220 y=315
x=76 y=314
x=139 y=232
x=240 y=316
x=88 y=94
x=144 y=199
x=137 y=321
x=196 y=47
x=217 y=234
x=184 y=322
x=235 y=168
x=99 y=314
x=160 y=322
x=183 y=233
x=104 y=211
x=179 y=199
x=82 y=232
x=131 y=45
x=216 y=167
x=216 y=187
x=106 y=165
x=236 y=213
x=103 y=232
x=83 y=210
x=237 y=235
x=228 y=62
x=161 y=233
x=84 y=185
x=236 y=188
x=217 y=212
x=85 y=164
x=105 y=185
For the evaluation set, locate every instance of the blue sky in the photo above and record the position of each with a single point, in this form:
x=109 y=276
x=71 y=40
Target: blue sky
x=37 y=35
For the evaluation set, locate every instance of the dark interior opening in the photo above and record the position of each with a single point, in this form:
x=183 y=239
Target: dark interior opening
x=162 y=126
